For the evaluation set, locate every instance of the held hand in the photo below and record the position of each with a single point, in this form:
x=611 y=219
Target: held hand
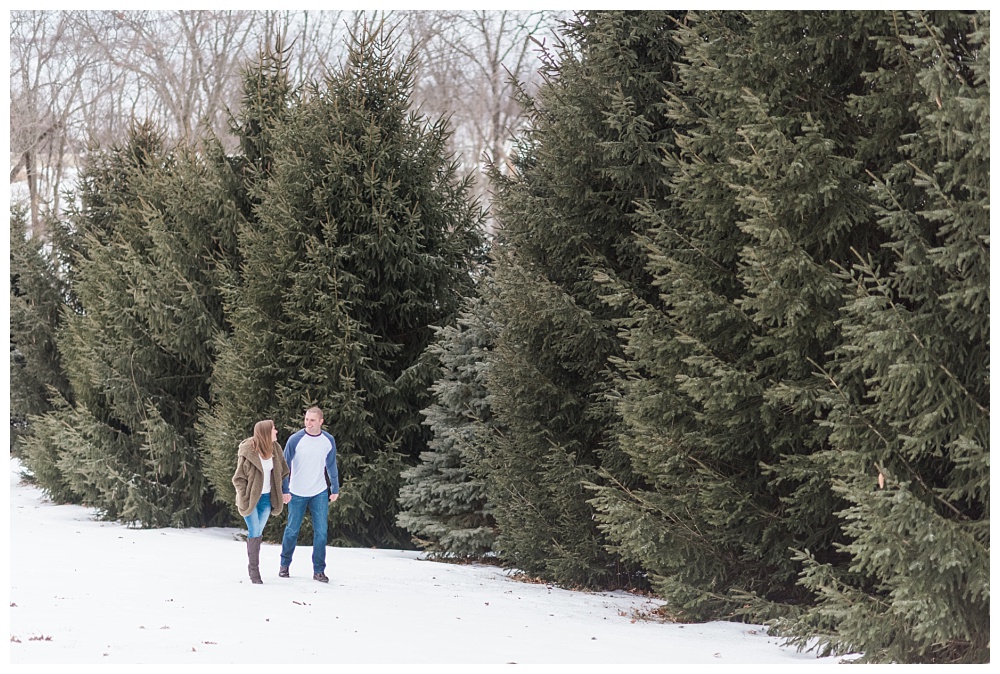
x=333 y=497
x=286 y=498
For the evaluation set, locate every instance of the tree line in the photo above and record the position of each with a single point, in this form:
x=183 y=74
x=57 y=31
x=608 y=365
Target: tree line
x=729 y=343
x=78 y=76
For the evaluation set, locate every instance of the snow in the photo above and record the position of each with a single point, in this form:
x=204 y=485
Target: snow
x=88 y=592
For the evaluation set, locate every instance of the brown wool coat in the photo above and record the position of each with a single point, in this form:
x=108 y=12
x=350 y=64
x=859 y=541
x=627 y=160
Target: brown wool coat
x=249 y=478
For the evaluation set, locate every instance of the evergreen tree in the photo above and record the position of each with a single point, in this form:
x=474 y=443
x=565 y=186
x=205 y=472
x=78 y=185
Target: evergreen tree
x=137 y=353
x=568 y=216
x=909 y=384
x=363 y=237
x=242 y=354
x=37 y=294
x=443 y=498
x=719 y=394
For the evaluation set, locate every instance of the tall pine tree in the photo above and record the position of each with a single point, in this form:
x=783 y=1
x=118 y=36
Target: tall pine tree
x=137 y=352
x=909 y=384
x=238 y=371
x=568 y=216
x=362 y=237
x=720 y=395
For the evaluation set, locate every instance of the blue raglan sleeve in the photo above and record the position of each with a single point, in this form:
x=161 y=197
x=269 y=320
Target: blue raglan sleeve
x=331 y=465
x=289 y=455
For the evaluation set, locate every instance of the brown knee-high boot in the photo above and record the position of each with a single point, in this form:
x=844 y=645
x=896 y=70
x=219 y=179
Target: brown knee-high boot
x=253 y=554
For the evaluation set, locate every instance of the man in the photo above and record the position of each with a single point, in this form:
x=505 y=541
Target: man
x=308 y=453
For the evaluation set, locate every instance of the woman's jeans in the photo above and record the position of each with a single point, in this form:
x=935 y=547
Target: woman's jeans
x=258 y=517
x=318 y=506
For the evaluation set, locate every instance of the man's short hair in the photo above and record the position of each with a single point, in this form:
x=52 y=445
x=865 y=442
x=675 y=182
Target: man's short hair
x=317 y=410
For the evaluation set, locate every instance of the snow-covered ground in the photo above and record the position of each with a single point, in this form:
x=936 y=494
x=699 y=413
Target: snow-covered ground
x=95 y=593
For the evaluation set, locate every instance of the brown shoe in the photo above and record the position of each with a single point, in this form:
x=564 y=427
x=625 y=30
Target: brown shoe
x=283 y=572
x=321 y=577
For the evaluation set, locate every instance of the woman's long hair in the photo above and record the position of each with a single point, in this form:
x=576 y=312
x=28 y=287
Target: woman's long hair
x=261 y=440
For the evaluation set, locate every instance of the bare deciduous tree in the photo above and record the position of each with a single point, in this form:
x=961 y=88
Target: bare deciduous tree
x=79 y=78
x=469 y=65
x=48 y=74
x=183 y=66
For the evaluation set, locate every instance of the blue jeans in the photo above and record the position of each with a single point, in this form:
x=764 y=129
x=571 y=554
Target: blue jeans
x=318 y=506
x=258 y=517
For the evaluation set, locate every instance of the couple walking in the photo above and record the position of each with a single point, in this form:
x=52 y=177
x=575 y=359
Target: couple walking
x=266 y=479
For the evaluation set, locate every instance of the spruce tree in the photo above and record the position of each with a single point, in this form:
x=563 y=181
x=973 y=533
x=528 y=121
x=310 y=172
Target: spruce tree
x=245 y=340
x=38 y=291
x=909 y=384
x=767 y=198
x=137 y=352
x=568 y=217
x=443 y=498
x=362 y=238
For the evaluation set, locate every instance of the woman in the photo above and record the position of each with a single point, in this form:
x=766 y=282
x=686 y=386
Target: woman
x=260 y=470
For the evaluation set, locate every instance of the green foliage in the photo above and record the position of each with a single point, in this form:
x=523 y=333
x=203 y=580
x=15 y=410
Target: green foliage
x=569 y=217
x=443 y=498
x=361 y=238
x=719 y=394
x=136 y=350
x=37 y=294
x=244 y=345
x=909 y=385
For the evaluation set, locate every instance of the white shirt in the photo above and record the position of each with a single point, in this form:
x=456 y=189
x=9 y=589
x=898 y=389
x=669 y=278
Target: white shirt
x=308 y=465
x=268 y=465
